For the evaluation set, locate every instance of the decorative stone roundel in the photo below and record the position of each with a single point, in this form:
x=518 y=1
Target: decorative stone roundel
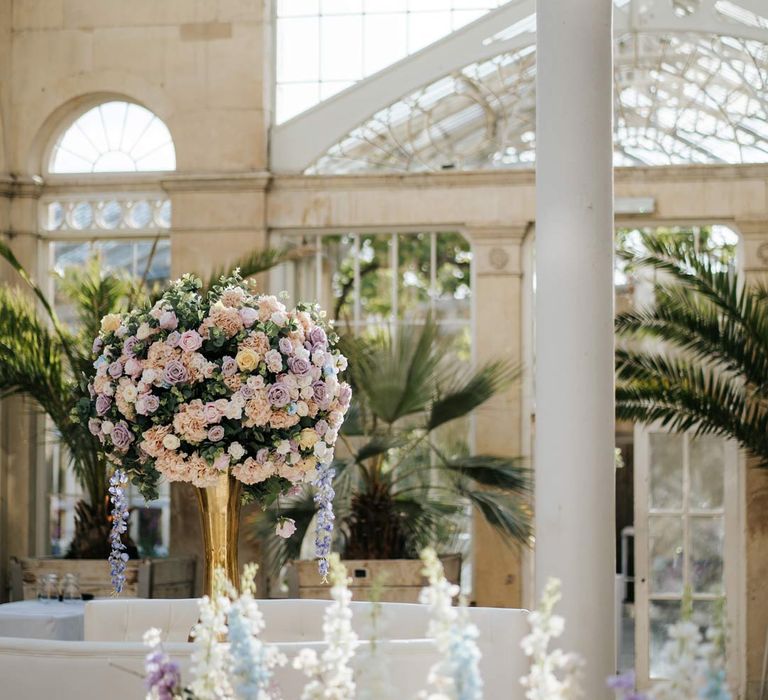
x=498 y=258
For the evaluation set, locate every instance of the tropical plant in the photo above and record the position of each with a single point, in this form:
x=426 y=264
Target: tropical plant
x=708 y=366
x=403 y=480
x=45 y=361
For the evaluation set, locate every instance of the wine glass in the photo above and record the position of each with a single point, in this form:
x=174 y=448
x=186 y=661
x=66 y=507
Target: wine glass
x=70 y=589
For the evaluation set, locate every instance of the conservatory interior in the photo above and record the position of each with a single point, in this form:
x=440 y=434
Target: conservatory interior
x=541 y=232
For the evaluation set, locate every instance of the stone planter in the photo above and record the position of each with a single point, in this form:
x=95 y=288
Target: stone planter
x=144 y=578
x=392 y=580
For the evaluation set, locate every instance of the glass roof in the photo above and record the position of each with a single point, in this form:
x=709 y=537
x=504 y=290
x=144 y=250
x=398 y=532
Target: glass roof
x=114 y=137
x=685 y=97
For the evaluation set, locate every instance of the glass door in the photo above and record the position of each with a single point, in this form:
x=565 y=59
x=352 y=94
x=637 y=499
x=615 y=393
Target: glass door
x=687 y=538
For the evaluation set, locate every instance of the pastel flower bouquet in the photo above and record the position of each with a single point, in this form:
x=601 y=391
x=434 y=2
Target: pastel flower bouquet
x=227 y=382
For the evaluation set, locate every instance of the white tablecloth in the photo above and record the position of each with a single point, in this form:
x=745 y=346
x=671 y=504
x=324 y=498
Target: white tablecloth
x=35 y=619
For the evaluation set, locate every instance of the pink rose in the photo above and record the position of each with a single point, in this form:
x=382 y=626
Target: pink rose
x=168 y=320
x=285 y=527
x=190 y=341
x=248 y=316
x=212 y=413
x=133 y=367
x=216 y=433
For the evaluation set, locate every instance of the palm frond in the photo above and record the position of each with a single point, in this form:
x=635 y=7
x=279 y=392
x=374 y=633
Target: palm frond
x=507 y=473
x=685 y=320
x=258 y=261
x=506 y=512
x=396 y=374
x=683 y=395
x=465 y=393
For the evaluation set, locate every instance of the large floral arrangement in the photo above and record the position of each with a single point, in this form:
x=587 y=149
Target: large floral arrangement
x=223 y=381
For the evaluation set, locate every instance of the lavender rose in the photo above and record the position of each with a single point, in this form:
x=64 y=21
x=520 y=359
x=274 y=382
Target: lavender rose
x=129 y=345
x=216 y=433
x=175 y=373
x=98 y=344
x=299 y=366
x=168 y=321
x=345 y=394
x=248 y=316
x=146 y=404
x=121 y=436
x=103 y=402
x=115 y=369
x=262 y=455
x=247 y=391
x=228 y=366
x=317 y=336
x=190 y=341
x=321 y=427
x=321 y=393
x=94 y=426
x=286 y=346
x=172 y=341
x=279 y=395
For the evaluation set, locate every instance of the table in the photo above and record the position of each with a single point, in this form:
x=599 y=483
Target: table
x=38 y=619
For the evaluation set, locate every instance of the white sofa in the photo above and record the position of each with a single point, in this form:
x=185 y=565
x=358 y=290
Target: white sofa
x=111 y=657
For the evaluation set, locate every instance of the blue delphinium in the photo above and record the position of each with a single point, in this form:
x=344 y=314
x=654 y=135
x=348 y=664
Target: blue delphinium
x=118 y=556
x=624 y=687
x=324 y=495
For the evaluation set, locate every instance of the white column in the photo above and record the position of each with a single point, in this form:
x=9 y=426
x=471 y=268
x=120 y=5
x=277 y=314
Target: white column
x=574 y=324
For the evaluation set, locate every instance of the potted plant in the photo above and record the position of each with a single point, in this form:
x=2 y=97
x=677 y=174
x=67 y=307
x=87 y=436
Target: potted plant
x=404 y=480
x=43 y=359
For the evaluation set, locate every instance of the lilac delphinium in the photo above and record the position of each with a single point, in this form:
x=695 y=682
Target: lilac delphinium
x=118 y=556
x=163 y=677
x=324 y=495
x=623 y=686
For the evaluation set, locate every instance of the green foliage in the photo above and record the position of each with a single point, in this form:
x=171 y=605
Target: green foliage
x=404 y=481
x=709 y=369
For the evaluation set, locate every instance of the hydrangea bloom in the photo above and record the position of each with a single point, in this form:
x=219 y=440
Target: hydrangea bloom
x=223 y=381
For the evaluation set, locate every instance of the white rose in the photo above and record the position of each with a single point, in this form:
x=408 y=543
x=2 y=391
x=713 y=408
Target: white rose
x=330 y=436
x=283 y=447
x=130 y=393
x=238 y=400
x=171 y=442
x=307 y=392
x=144 y=331
x=302 y=409
x=321 y=450
x=294 y=457
x=302 y=352
x=236 y=450
x=279 y=318
x=149 y=375
x=107 y=427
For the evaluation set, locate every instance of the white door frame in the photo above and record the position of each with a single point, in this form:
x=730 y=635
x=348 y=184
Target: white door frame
x=733 y=554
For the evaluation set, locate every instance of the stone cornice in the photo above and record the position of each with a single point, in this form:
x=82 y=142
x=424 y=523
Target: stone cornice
x=17 y=186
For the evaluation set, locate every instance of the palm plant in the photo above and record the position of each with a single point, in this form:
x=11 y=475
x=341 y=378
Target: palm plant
x=709 y=367
x=44 y=360
x=404 y=481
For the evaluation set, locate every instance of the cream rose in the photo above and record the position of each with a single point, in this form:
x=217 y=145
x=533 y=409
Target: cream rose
x=247 y=360
x=171 y=442
x=307 y=438
x=110 y=323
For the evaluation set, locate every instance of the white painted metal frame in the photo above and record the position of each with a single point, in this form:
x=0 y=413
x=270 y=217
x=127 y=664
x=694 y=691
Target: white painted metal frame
x=733 y=551
x=298 y=143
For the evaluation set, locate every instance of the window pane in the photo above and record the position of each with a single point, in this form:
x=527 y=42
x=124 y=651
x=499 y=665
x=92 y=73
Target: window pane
x=287 y=8
x=662 y=614
x=415 y=272
x=452 y=279
x=665 y=554
x=427 y=27
x=666 y=470
x=375 y=279
x=114 y=137
x=385 y=40
x=341 y=31
x=295 y=98
x=706 y=555
x=298 y=43
x=707 y=472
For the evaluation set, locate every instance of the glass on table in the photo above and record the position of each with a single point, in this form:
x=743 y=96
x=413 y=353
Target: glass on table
x=70 y=589
x=48 y=587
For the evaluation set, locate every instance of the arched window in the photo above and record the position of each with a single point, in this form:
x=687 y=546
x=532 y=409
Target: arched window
x=127 y=232
x=114 y=137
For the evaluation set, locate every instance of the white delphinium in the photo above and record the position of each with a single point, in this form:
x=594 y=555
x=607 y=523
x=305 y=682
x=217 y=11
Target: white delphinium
x=330 y=675
x=554 y=675
x=252 y=661
x=211 y=664
x=456 y=676
x=374 y=675
x=683 y=675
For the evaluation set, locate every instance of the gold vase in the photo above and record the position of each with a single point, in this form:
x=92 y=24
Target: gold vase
x=220 y=516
